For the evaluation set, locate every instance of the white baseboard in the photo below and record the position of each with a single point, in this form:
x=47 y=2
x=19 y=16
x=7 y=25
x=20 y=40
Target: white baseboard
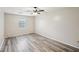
x=59 y=41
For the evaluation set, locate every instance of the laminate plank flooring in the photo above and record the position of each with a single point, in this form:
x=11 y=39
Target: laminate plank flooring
x=35 y=43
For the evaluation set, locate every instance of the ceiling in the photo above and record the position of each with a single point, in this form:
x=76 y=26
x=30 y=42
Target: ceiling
x=25 y=10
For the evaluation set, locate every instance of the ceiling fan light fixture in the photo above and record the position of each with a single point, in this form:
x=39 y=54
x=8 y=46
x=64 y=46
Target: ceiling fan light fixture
x=35 y=13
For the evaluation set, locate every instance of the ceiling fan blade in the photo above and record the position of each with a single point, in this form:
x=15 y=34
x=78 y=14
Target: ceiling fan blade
x=41 y=10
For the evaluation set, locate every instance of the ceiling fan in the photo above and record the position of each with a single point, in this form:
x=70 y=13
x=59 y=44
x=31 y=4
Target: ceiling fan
x=37 y=10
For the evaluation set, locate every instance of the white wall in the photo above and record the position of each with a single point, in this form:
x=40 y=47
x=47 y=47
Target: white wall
x=61 y=25
x=1 y=28
x=12 y=25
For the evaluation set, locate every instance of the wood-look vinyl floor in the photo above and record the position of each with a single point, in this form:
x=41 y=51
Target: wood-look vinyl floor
x=35 y=43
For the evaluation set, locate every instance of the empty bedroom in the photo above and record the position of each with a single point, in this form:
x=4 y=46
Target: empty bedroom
x=39 y=29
